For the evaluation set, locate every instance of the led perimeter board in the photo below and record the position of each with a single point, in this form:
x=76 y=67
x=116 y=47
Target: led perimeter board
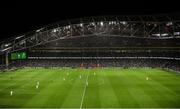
x=18 y=56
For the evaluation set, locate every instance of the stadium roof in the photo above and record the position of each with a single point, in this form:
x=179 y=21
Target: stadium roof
x=18 y=17
x=149 y=26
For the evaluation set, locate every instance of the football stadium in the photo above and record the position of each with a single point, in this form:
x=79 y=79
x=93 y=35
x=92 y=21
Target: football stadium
x=94 y=62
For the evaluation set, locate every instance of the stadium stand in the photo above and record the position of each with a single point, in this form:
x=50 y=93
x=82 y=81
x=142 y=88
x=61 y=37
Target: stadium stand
x=105 y=41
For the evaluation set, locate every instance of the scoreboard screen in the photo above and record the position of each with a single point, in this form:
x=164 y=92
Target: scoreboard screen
x=18 y=56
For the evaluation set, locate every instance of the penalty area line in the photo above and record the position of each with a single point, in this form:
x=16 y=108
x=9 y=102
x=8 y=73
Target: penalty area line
x=84 y=91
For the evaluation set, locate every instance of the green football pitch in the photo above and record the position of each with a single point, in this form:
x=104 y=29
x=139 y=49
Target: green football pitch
x=90 y=88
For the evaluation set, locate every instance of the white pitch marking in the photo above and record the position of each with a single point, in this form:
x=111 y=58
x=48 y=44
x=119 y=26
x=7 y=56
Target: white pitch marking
x=84 y=91
x=64 y=79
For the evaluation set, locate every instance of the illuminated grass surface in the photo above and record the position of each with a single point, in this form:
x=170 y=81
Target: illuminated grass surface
x=90 y=88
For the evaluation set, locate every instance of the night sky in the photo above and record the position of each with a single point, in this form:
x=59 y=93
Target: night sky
x=18 y=17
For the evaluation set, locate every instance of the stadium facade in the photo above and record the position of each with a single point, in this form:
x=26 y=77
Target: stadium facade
x=119 y=41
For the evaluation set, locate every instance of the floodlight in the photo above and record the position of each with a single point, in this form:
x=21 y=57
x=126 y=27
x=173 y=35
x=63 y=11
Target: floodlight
x=81 y=24
x=54 y=30
x=124 y=22
x=101 y=23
